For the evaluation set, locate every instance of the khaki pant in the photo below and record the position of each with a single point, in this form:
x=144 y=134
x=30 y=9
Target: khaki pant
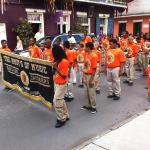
x=97 y=77
x=80 y=69
x=139 y=60
x=144 y=62
x=113 y=80
x=130 y=69
x=59 y=103
x=90 y=92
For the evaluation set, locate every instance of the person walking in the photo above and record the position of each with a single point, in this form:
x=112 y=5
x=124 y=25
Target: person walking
x=90 y=66
x=115 y=59
x=131 y=55
x=61 y=66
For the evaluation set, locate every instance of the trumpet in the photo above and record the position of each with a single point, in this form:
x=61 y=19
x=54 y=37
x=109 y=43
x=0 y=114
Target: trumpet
x=147 y=45
x=128 y=51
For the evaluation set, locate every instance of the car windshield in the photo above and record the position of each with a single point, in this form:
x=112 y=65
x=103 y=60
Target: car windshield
x=42 y=40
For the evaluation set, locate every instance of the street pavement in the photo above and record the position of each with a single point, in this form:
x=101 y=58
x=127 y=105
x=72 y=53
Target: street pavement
x=133 y=135
x=28 y=125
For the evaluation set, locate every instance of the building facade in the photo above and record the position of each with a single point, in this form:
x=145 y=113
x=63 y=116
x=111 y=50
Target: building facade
x=92 y=15
x=135 y=20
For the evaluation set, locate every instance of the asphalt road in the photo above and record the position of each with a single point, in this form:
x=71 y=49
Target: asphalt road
x=28 y=125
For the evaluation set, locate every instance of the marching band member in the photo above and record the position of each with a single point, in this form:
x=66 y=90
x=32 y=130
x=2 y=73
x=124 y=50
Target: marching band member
x=90 y=66
x=131 y=52
x=146 y=49
x=148 y=77
x=140 y=53
x=98 y=70
x=115 y=60
x=71 y=58
x=86 y=38
x=80 y=63
x=34 y=51
x=61 y=66
x=47 y=53
x=124 y=40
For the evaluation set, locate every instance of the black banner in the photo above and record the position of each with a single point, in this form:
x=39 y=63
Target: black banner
x=32 y=77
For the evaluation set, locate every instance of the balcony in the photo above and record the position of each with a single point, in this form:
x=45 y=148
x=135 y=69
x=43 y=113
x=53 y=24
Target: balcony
x=115 y=3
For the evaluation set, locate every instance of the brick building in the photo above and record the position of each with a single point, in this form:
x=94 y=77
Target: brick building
x=136 y=20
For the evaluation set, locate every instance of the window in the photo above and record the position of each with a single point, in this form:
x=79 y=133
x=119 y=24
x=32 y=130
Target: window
x=2 y=32
x=63 y=25
x=122 y=27
x=83 y=20
x=137 y=27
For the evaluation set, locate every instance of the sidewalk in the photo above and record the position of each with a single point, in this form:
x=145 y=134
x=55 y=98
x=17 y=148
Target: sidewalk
x=134 y=135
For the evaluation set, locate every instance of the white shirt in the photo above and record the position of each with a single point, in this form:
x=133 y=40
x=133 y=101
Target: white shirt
x=38 y=36
x=19 y=45
x=72 y=40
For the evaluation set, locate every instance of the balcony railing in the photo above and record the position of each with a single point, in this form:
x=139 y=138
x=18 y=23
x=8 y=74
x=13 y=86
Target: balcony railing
x=106 y=2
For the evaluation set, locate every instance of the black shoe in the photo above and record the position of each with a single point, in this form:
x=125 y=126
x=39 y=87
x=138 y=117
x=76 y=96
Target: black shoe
x=93 y=110
x=81 y=86
x=116 y=98
x=69 y=99
x=98 y=91
x=59 y=124
x=85 y=108
x=126 y=82
x=130 y=83
x=124 y=74
x=111 y=96
x=67 y=119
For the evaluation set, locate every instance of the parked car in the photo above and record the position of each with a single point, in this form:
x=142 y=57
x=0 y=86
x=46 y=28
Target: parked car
x=64 y=37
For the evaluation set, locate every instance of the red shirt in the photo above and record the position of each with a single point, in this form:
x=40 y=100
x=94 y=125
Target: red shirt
x=63 y=67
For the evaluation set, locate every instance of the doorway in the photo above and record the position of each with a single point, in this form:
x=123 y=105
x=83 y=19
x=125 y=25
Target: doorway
x=35 y=27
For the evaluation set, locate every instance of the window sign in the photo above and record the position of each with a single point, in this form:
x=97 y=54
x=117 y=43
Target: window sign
x=34 y=17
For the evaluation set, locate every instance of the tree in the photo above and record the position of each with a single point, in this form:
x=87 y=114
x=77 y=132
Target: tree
x=24 y=31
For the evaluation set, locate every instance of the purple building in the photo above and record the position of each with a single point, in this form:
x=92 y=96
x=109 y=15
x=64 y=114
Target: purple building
x=92 y=15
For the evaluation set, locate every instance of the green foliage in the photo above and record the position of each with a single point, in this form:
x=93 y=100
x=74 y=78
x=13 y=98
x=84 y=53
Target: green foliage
x=77 y=28
x=24 y=31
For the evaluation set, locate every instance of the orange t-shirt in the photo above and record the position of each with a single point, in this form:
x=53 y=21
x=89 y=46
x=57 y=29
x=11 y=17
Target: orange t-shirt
x=114 y=58
x=47 y=54
x=132 y=50
x=34 y=51
x=87 y=39
x=123 y=43
x=90 y=63
x=5 y=49
x=71 y=55
x=80 y=56
x=98 y=53
x=148 y=76
x=63 y=67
